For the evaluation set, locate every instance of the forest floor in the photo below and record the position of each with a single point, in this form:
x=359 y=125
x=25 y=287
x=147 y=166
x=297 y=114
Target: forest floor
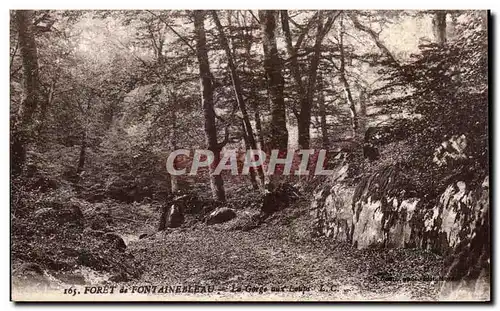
x=282 y=254
x=279 y=260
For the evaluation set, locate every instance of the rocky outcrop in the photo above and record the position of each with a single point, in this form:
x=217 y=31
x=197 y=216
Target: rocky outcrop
x=334 y=214
x=460 y=210
x=378 y=212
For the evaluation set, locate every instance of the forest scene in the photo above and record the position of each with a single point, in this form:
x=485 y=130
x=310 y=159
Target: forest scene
x=132 y=143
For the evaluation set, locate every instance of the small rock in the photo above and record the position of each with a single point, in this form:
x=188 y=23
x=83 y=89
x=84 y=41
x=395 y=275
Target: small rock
x=175 y=217
x=142 y=236
x=220 y=215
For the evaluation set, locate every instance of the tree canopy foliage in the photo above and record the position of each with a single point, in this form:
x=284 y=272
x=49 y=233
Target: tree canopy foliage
x=100 y=98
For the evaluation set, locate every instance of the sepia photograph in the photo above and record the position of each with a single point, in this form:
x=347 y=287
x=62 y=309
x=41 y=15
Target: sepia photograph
x=249 y=155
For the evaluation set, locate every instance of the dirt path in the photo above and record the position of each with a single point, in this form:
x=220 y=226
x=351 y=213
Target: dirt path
x=285 y=257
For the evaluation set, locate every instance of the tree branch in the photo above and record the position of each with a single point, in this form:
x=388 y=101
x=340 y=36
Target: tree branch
x=173 y=30
x=305 y=30
x=375 y=38
x=254 y=17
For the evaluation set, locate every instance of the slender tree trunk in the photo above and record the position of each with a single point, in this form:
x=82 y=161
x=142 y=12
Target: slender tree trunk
x=439 y=25
x=238 y=90
x=302 y=119
x=216 y=182
x=305 y=107
x=306 y=93
x=258 y=125
x=322 y=114
x=44 y=107
x=174 y=182
x=272 y=66
x=345 y=84
x=83 y=150
x=253 y=94
x=362 y=118
x=83 y=145
x=357 y=166
x=21 y=132
x=253 y=176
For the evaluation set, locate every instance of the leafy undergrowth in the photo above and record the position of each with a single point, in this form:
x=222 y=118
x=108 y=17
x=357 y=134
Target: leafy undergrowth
x=54 y=241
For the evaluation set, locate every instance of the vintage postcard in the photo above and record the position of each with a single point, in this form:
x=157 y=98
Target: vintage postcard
x=249 y=155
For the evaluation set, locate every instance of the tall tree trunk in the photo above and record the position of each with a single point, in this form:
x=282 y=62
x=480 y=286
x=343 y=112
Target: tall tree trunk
x=258 y=124
x=303 y=125
x=253 y=176
x=345 y=83
x=21 y=132
x=216 y=182
x=45 y=104
x=246 y=34
x=362 y=117
x=238 y=90
x=439 y=25
x=306 y=93
x=305 y=107
x=272 y=66
x=322 y=115
x=83 y=144
x=174 y=182
x=356 y=168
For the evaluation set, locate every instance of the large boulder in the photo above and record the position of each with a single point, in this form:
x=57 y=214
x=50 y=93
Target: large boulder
x=332 y=206
x=220 y=215
x=461 y=208
x=468 y=271
x=378 y=212
x=333 y=212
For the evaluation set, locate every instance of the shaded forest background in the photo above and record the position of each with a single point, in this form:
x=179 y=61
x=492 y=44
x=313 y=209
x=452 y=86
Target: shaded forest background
x=99 y=99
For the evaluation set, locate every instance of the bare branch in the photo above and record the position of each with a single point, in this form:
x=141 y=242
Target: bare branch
x=173 y=30
x=254 y=17
x=292 y=51
x=13 y=73
x=305 y=30
x=375 y=38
